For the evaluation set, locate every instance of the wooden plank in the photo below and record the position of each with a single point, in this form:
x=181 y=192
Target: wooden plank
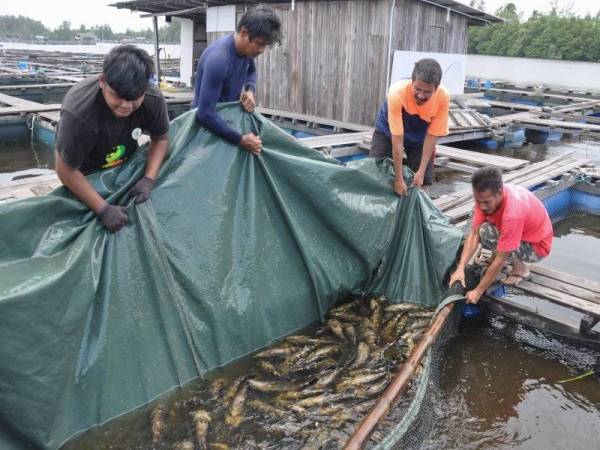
x=592 y=286
x=314 y=119
x=17 y=110
x=573 y=117
x=535 y=94
x=52 y=116
x=509 y=105
x=24 y=87
x=334 y=139
x=577 y=107
x=64 y=77
x=30 y=180
x=457 y=166
x=557 y=124
x=16 y=102
x=503 y=305
x=561 y=298
x=565 y=288
x=501 y=162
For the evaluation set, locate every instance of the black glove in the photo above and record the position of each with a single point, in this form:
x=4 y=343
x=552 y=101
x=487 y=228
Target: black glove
x=113 y=218
x=141 y=190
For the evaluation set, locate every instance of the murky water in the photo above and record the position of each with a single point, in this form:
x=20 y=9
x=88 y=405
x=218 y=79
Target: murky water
x=500 y=389
x=576 y=247
x=18 y=157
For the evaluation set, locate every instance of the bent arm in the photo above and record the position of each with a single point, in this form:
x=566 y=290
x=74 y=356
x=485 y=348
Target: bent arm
x=210 y=91
x=251 y=80
x=398 y=153
x=493 y=271
x=469 y=248
x=428 y=151
x=79 y=185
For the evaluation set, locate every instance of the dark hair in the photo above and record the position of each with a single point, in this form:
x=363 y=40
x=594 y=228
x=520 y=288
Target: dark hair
x=127 y=69
x=429 y=71
x=261 y=22
x=487 y=178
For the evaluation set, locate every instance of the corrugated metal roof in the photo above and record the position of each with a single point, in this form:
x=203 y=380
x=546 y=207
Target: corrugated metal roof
x=192 y=8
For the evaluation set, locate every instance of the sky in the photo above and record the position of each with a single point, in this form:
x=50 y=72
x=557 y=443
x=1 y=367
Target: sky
x=97 y=12
x=87 y=12
x=578 y=7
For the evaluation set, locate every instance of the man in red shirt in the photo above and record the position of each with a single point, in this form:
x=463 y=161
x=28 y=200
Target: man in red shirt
x=512 y=223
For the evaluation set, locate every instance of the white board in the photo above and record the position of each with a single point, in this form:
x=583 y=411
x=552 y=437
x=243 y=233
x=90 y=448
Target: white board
x=186 y=68
x=220 y=18
x=453 y=68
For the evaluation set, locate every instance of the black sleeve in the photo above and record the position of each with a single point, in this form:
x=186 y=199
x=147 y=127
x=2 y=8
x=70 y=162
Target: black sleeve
x=74 y=140
x=157 y=117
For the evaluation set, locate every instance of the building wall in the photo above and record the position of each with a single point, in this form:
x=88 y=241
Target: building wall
x=333 y=62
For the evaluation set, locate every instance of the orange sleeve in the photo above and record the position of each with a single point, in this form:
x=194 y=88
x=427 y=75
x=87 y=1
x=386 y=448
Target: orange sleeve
x=395 y=112
x=439 y=122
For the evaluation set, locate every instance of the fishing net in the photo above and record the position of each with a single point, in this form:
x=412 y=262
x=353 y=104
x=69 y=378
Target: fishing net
x=414 y=416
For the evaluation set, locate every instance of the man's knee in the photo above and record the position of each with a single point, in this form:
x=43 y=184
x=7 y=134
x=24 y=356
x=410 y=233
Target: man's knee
x=526 y=253
x=488 y=236
x=381 y=146
x=428 y=178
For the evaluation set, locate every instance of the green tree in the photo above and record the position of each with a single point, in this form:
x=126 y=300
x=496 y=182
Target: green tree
x=64 y=32
x=555 y=35
x=20 y=27
x=171 y=32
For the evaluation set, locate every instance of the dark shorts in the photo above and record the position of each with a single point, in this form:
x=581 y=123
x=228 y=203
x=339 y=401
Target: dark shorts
x=488 y=237
x=381 y=147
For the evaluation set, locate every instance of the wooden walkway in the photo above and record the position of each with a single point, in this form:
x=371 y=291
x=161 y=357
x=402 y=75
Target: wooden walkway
x=563 y=289
x=553 y=291
x=11 y=106
x=450 y=157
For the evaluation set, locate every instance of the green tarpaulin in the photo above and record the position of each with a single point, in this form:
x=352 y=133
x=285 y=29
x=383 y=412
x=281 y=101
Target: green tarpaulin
x=232 y=252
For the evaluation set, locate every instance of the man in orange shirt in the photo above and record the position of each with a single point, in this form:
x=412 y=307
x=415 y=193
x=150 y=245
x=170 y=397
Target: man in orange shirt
x=411 y=119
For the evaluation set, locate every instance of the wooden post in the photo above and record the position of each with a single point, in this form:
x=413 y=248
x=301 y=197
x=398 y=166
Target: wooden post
x=399 y=383
x=156 y=49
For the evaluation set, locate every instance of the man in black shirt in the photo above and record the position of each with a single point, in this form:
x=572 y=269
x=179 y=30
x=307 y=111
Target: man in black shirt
x=100 y=122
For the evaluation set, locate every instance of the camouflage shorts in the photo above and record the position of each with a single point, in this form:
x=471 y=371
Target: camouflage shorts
x=488 y=236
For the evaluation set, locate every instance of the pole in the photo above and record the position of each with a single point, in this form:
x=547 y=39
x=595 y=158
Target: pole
x=156 y=49
x=398 y=384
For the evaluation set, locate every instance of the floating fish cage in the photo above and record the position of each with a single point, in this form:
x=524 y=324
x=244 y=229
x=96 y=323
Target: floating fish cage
x=309 y=390
x=26 y=130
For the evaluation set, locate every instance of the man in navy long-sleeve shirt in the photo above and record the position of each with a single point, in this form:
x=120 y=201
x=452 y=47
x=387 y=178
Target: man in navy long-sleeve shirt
x=226 y=72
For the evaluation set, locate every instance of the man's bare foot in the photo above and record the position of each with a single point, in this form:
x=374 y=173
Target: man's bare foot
x=518 y=274
x=483 y=258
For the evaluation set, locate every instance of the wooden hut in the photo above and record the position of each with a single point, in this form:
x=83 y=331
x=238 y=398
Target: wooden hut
x=336 y=57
